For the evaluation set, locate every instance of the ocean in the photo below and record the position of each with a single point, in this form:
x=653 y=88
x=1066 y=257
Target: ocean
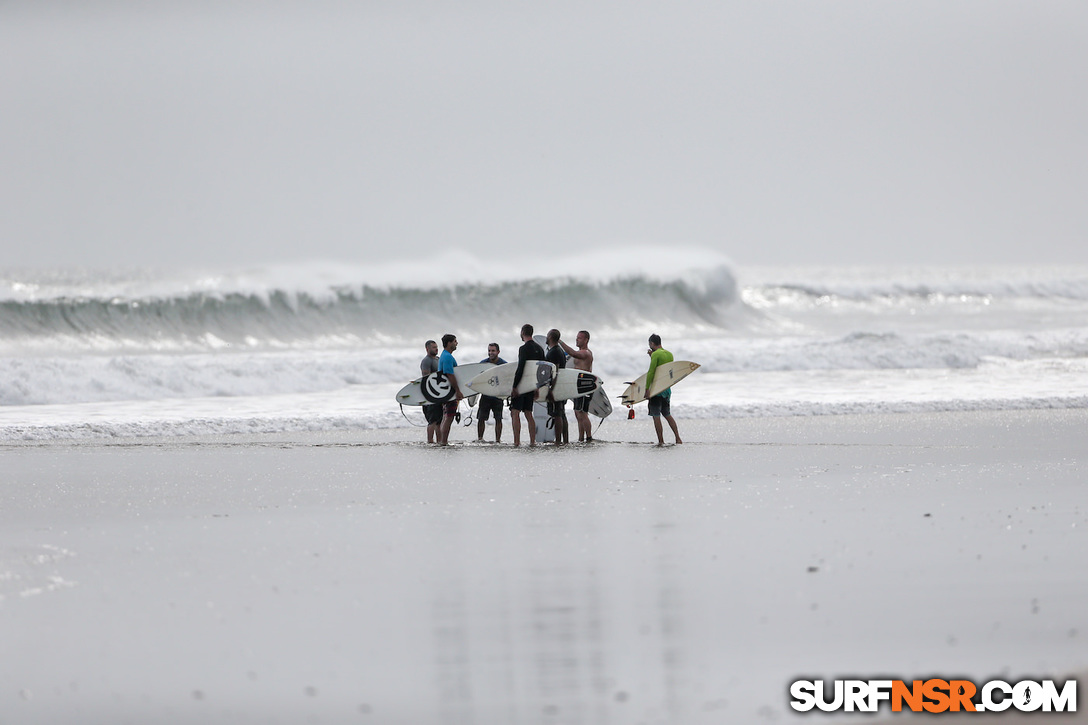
x=91 y=354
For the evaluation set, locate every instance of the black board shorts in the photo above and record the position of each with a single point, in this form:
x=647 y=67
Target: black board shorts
x=659 y=405
x=487 y=406
x=523 y=402
x=433 y=413
x=581 y=405
x=557 y=408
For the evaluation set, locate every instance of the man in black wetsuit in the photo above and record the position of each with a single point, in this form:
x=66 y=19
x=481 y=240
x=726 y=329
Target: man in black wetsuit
x=557 y=409
x=529 y=350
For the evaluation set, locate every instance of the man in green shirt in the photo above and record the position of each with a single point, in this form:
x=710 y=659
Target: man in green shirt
x=659 y=404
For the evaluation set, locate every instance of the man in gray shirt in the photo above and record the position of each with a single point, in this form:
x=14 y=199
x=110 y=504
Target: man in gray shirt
x=432 y=411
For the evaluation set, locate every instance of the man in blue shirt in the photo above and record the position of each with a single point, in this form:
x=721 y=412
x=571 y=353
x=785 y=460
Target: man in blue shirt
x=446 y=365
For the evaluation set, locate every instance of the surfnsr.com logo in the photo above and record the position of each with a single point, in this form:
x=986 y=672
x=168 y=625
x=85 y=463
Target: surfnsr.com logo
x=933 y=696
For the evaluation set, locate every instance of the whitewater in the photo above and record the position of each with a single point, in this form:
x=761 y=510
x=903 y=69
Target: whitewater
x=90 y=354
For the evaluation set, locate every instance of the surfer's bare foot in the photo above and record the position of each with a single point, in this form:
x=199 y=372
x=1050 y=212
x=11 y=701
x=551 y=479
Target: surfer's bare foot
x=678 y=441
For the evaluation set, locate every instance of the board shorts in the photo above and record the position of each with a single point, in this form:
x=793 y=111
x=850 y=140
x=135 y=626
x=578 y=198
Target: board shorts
x=523 y=402
x=581 y=405
x=557 y=408
x=433 y=413
x=489 y=404
x=450 y=408
x=659 y=405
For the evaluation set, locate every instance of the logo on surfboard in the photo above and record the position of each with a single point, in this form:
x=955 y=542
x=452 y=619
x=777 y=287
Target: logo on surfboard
x=586 y=383
x=436 y=388
x=543 y=374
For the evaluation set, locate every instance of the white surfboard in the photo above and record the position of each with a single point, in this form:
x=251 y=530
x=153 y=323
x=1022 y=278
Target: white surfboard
x=499 y=379
x=435 y=388
x=599 y=404
x=571 y=383
x=665 y=377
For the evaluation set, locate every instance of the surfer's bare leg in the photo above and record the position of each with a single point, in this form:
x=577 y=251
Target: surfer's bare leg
x=561 y=434
x=444 y=434
x=532 y=427
x=498 y=430
x=672 y=424
x=658 y=429
x=481 y=425
x=585 y=428
x=516 y=422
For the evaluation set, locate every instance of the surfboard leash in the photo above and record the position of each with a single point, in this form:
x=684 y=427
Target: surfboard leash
x=414 y=425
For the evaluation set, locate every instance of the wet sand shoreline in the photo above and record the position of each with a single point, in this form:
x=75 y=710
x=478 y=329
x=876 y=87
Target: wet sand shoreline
x=368 y=577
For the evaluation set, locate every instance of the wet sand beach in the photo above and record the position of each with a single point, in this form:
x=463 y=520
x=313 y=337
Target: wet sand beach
x=367 y=577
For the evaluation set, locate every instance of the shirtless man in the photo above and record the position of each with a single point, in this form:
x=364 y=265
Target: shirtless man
x=583 y=360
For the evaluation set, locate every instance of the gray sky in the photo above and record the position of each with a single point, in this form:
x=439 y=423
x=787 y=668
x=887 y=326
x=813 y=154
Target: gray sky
x=206 y=133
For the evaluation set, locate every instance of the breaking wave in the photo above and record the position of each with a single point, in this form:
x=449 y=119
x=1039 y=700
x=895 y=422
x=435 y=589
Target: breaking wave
x=333 y=305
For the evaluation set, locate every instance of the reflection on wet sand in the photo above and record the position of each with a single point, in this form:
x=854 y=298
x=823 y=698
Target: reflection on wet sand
x=551 y=628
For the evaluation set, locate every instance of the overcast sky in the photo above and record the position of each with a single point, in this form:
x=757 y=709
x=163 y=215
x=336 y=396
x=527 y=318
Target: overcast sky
x=218 y=133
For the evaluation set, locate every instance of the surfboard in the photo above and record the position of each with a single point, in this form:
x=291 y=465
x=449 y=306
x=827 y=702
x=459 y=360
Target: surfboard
x=571 y=383
x=435 y=388
x=499 y=379
x=599 y=404
x=665 y=377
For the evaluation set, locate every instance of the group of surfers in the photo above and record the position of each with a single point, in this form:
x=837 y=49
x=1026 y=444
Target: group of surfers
x=440 y=416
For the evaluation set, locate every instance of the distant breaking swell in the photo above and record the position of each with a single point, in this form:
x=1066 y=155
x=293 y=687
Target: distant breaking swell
x=283 y=317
